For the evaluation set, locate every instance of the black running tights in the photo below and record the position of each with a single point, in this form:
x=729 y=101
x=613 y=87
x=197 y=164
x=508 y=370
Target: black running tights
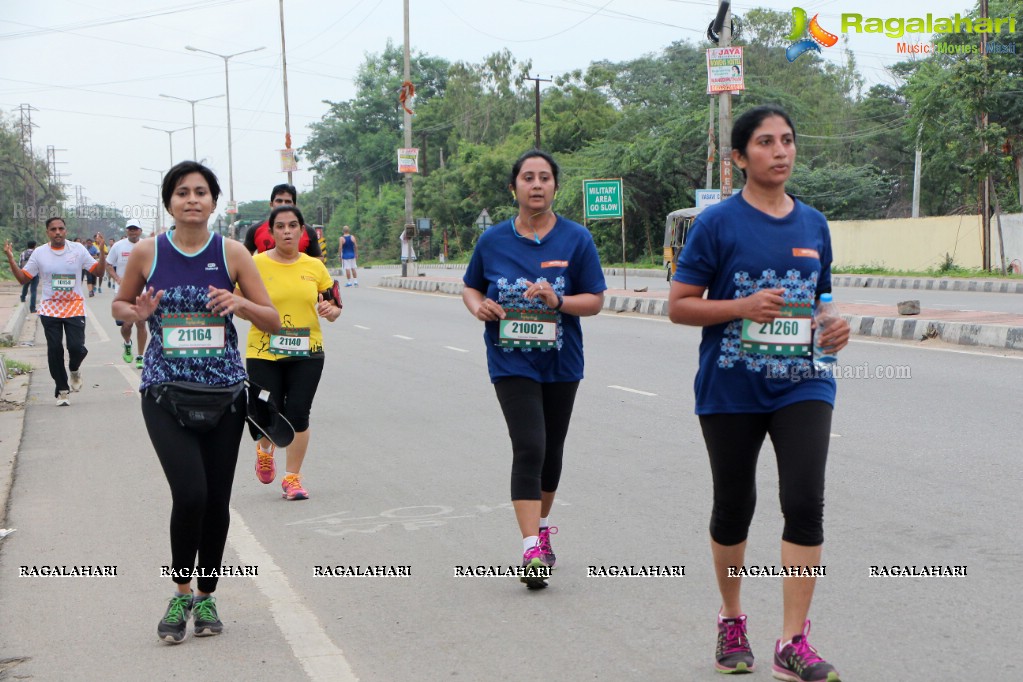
x=200 y=470
x=537 y=416
x=800 y=434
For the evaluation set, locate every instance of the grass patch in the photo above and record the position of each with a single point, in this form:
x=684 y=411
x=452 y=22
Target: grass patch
x=16 y=367
x=950 y=271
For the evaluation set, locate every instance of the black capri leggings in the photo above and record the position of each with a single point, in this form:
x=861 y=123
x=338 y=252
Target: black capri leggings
x=800 y=434
x=537 y=416
x=200 y=470
x=292 y=383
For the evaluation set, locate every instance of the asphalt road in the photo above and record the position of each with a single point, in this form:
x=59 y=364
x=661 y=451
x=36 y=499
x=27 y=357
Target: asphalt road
x=409 y=465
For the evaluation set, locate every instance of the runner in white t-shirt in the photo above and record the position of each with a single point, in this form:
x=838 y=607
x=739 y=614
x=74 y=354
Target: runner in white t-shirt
x=117 y=260
x=59 y=265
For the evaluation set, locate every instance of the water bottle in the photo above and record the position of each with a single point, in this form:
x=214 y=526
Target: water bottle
x=827 y=312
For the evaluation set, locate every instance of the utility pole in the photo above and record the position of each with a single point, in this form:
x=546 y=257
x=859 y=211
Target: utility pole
x=287 y=115
x=916 y=172
x=410 y=225
x=710 y=146
x=724 y=16
x=537 y=80
x=985 y=195
x=26 y=126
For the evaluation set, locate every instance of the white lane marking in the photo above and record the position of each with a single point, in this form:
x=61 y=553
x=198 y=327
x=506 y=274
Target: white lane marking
x=457 y=350
x=403 y=338
x=836 y=435
x=96 y=325
x=631 y=390
x=994 y=353
x=130 y=375
x=321 y=659
x=865 y=300
x=359 y=326
x=319 y=656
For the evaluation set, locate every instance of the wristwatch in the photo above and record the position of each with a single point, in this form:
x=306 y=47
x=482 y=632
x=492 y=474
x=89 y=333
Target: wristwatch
x=561 y=302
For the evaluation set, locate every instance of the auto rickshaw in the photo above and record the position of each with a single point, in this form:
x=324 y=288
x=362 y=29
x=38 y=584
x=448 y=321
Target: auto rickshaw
x=676 y=231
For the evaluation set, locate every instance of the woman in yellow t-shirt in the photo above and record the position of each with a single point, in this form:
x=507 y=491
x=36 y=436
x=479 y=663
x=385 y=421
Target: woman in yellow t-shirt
x=289 y=361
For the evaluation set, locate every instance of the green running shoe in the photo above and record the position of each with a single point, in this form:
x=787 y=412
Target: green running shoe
x=207 y=622
x=172 y=627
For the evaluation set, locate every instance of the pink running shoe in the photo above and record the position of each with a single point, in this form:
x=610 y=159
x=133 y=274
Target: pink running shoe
x=536 y=570
x=292 y=486
x=266 y=469
x=544 y=543
x=733 y=653
x=799 y=662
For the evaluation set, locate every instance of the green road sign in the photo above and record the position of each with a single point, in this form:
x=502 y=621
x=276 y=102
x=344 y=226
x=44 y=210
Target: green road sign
x=602 y=199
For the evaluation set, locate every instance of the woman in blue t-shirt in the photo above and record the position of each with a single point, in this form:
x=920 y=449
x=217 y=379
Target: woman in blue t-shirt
x=530 y=279
x=759 y=256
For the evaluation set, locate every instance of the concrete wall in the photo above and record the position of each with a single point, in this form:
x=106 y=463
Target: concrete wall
x=1012 y=233
x=921 y=243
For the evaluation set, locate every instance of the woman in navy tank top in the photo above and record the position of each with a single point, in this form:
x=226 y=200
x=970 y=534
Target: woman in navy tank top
x=182 y=284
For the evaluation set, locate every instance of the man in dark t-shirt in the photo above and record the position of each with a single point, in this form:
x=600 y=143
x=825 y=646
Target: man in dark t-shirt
x=259 y=238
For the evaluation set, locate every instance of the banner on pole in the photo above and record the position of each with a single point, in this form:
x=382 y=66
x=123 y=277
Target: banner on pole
x=725 y=72
x=288 y=162
x=408 y=160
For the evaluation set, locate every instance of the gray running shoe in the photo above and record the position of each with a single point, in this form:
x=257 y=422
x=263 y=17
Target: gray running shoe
x=207 y=622
x=172 y=627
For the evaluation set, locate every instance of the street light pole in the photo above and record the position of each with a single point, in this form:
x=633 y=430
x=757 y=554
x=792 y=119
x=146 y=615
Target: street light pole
x=230 y=158
x=170 y=140
x=195 y=154
x=158 y=218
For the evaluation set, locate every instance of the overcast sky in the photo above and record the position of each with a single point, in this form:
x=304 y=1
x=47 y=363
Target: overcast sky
x=94 y=70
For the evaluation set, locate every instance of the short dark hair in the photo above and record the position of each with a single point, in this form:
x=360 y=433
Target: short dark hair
x=745 y=125
x=31 y=244
x=284 y=209
x=534 y=153
x=50 y=220
x=281 y=189
x=175 y=174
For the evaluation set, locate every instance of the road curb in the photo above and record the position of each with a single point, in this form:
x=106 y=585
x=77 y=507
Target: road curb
x=907 y=329
x=12 y=330
x=928 y=284
x=961 y=333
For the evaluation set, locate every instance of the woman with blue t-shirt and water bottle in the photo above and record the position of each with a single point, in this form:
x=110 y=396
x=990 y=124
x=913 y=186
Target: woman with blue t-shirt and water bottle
x=763 y=259
x=530 y=279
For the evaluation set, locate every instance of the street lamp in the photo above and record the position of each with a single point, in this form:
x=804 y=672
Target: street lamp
x=227 y=91
x=170 y=140
x=157 y=219
x=195 y=154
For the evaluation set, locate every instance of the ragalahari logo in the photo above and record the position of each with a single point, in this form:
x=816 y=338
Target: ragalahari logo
x=818 y=36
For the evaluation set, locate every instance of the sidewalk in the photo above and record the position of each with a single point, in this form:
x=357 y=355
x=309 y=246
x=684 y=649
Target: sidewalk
x=973 y=328
x=14 y=389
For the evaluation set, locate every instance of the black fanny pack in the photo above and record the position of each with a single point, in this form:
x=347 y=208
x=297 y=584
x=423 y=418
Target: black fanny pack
x=196 y=406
